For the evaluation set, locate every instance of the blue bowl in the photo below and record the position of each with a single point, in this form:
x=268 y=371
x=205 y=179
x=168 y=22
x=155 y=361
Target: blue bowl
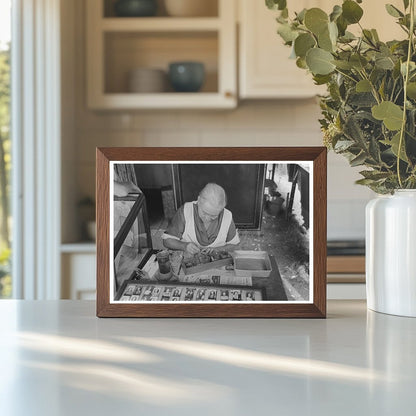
x=135 y=8
x=186 y=76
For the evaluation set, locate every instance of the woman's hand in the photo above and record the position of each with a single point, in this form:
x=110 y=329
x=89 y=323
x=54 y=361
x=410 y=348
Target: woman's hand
x=192 y=248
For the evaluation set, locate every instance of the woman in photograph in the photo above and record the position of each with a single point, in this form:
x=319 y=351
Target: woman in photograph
x=203 y=224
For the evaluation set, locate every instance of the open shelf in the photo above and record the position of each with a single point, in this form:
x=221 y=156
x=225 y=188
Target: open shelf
x=209 y=9
x=168 y=100
x=118 y=45
x=160 y=24
x=127 y=51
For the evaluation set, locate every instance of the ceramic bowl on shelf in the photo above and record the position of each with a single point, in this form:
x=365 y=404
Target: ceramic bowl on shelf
x=135 y=8
x=186 y=76
x=191 y=8
x=147 y=80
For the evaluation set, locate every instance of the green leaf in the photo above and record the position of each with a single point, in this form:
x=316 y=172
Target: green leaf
x=362 y=99
x=391 y=114
x=374 y=150
x=347 y=37
x=303 y=43
x=405 y=21
x=384 y=62
x=301 y=15
x=343 y=145
x=363 y=86
x=301 y=63
x=382 y=89
x=393 y=11
x=406 y=4
x=374 y=174
x=358 y=160
x=344 y=65
x=412 y=67
x=358 y=61
x=333 y=32
x=354 y=132
x=325 y=42
x=319 y=61
x=411 y=90
x=321 y=79
x=316 y=20
x=282 y=20
x=336 y=12
x=276 y=4
x=394 y=143
x=365 y=182
x=287 y=33
x=351 y=11
x=342 y=25
x=368 y=36
x=375 y=35
x=411 y=123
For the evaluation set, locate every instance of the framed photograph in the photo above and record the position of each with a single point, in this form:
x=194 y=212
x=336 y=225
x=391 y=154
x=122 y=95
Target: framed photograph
x=211 y=232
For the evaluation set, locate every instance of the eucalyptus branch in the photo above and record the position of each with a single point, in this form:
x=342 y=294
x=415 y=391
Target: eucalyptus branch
x=363 y=60
x=404 y=28
x=406 y=79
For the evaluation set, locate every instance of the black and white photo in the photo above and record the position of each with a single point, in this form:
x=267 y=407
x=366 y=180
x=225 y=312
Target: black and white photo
x=211 y=232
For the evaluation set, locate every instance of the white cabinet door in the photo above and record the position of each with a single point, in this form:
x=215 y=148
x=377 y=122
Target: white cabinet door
x=78 y=276
x=265 y=68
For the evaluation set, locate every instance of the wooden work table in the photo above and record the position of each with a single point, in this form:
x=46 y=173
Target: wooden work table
x=57 y=358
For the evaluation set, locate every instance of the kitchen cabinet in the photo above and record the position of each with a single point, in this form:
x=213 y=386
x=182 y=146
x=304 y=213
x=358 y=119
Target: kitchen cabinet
x=265 y=70
x=78 y=264
x=118 y=45
x=132 y=246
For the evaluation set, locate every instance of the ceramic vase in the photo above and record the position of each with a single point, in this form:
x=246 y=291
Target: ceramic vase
x=135 y=8
x=186 y=76
x=391 y=253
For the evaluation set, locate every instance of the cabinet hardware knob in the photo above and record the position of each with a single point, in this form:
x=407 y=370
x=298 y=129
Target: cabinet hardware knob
x=229 y=94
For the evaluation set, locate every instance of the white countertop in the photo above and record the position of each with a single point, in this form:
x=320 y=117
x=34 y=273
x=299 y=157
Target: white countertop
x=57 y=358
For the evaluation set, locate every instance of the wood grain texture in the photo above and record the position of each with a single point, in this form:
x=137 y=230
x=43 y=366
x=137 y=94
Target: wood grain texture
x=317 y=309
x=103 y=231
x=319 y=230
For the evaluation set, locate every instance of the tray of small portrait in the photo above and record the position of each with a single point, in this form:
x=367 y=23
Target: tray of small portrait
x=238 y=236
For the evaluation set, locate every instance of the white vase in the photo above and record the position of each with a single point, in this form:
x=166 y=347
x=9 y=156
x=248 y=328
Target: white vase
x=391 y=253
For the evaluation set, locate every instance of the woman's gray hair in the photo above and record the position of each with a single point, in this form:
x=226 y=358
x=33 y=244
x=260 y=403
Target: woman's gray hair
x=214 y=194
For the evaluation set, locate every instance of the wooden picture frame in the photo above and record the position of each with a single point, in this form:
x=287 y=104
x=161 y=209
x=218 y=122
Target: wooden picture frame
x=299 y=162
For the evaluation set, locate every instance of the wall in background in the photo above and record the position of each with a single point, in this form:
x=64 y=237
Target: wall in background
x=253 y=123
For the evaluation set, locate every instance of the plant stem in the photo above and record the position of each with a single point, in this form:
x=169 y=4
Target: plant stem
x=406 y=79
x=373 y=88
x=346 y=75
